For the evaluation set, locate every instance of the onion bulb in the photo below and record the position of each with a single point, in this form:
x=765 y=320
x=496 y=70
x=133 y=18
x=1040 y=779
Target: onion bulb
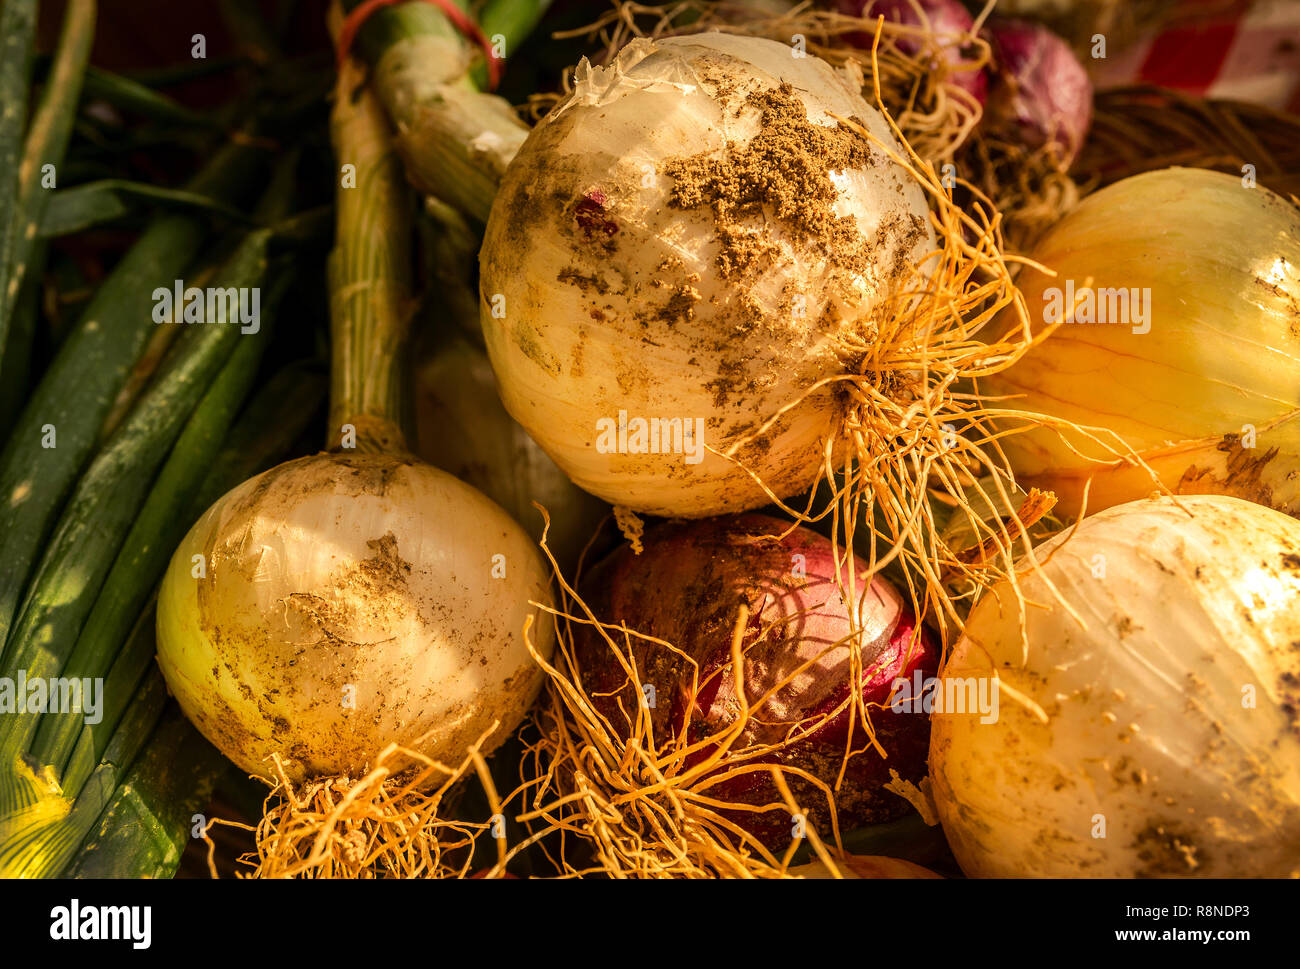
x=689 y=238
x=1152 y=728
x=359 y=598
x=687 y=588
x=342 y=602
x=1040 y=91
x=1200 y=376
x=948 y=20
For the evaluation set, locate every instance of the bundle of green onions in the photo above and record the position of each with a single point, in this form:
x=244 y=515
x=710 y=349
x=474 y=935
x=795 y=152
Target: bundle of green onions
x=137 y=411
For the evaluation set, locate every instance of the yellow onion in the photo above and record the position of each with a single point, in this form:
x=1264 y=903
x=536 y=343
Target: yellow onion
x=690 y=236
x=1152 y=728
x=343 y=602
x=1206 y=387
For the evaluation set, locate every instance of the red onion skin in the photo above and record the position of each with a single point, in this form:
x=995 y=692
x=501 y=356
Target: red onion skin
x=686 y=588
x=945 y=16
x=1040 y=88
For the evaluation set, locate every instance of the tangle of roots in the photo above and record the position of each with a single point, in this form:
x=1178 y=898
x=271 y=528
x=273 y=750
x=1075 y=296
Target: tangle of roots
x=614 y=800
x=398 y=821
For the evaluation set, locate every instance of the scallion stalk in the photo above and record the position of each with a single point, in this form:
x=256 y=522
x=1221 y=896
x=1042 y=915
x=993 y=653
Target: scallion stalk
x=455 y=140
x=106 y=499
x=47 y=138
x=161 y=524
x=17 y=34
x=82 y=382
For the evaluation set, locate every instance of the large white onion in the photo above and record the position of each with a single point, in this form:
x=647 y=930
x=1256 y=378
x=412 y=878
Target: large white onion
x=344 y=602
x=1172 y=702
x=602 y=289
x=1210 y=395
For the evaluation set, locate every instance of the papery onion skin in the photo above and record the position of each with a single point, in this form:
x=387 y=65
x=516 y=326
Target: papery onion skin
x=1040 y=90
x=609 y=296
x=1151 y=732
x=1222 y=356
x=687 y=587
x=351 y=578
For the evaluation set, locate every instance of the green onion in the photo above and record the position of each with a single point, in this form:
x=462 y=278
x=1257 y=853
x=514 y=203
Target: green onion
x=42 y=850
x=17 y=31
x=454 y=139
x=143 y=555
x=513 y=20
x=147 y=823
x=15 y=367
x=82 y=383
x=132 y=96
x=83 y=207
x=106 y=499
x=47 y=139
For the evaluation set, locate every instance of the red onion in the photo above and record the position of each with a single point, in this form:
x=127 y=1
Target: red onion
x=1040 y=88
x=686 y=588
x=946 y=17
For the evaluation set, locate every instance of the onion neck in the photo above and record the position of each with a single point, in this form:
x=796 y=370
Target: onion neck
x=455 y=140
x=369 y=277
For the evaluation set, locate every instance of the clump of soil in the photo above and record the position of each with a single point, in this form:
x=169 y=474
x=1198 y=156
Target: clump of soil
x=785 y=166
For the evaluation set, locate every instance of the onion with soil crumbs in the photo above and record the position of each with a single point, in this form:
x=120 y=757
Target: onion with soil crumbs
x=802 y=646
x=1186 y=347
x=1040 y=90
x=349 y=602
x=1153 y=727
x=356 y=599
x=693 y=238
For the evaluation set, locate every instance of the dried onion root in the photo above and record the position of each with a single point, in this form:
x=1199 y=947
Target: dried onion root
x=391 y=823
x=605 y=802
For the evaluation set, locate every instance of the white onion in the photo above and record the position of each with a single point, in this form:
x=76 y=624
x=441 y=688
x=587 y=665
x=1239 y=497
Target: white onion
x=1173 y=715
x=609 y=297
x=346 y=602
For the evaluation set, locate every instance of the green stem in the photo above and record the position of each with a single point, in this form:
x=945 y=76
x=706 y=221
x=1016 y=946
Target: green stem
x=369 y=277
x=82 y=383
x=143 y=831
x=42 y=851
x=103 y=507
x=159 y=528
x=512 y=21
x=455 y=140
x=17 y=34
x=47 y=143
